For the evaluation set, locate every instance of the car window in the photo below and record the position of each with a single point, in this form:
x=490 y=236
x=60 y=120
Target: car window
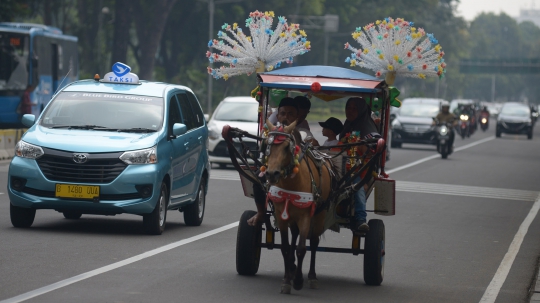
x=196 y=108
x=174 y=114
x=188 y=117
x=515 y=110
x=115 y=111
x=419 y=110
x=238 y=111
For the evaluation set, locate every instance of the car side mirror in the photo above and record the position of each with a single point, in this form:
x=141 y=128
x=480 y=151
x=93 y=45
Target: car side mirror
x=206 y=117
x=179 y=129
x=28 y=120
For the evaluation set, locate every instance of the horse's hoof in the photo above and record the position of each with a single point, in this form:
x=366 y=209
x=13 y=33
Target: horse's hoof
x=286 y=289
x=298 y=284
x=313 y=283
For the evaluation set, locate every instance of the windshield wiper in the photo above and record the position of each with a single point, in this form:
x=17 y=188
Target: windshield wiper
x=243 y=120
x=137 y=130
x=80 y=127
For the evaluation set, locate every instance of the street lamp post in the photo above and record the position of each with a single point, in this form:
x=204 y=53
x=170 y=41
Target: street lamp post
x=211 y=7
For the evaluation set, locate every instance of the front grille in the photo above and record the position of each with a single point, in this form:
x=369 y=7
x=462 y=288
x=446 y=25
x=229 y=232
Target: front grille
x=416 y=128
x=108 y=197
x=221 y=148
x=100 y=168
x=514 y=126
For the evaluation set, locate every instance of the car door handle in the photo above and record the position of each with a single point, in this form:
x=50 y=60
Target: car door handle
x=200 y=137
x=186 y=144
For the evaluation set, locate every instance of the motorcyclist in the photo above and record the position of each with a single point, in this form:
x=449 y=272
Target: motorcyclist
x=445 y=116
x=484 y=113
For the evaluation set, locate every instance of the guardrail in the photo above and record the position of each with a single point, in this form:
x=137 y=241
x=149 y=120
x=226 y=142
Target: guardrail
x=8 y=140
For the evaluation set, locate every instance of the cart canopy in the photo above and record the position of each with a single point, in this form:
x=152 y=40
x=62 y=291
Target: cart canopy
x=330 y=78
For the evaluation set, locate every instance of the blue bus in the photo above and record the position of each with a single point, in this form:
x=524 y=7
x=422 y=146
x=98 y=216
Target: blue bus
x=35 y=61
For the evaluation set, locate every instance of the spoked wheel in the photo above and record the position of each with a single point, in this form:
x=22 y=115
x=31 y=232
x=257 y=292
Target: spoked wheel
x=248 y=248
x=154 y=222
x=374 y=253
x=194 y=213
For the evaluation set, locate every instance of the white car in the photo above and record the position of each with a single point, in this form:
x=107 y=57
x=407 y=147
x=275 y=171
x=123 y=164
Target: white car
x=238 y=112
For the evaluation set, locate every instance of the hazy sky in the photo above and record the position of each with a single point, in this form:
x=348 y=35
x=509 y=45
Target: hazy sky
x=471 y=8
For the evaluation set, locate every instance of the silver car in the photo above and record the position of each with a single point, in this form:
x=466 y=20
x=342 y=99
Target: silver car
x=240 y=112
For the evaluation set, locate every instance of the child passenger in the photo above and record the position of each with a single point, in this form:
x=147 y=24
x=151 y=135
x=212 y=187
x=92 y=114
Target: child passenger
x=331 y=129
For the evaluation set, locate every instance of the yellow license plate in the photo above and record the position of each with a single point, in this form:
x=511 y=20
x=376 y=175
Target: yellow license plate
x=76 y=191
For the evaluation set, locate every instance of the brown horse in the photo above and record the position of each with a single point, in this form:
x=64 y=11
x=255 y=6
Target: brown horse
x=289 y=193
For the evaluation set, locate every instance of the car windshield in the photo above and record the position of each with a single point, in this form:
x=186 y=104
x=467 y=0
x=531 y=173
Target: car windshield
x=238 y=111
x=419 y=110
x=515 y=110
x=103 y=111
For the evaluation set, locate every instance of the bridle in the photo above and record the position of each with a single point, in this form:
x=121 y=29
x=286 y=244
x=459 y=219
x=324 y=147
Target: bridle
x=276 y=137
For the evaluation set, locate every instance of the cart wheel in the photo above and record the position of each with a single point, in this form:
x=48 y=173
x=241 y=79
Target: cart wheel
x=248 y=248
x=374 y=253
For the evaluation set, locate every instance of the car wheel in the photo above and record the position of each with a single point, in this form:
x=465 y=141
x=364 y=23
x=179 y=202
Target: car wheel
x=154 y=222
x=20 y=216
x=497 y=133
x=194 y=213
x=529 y=135
x=72 y=215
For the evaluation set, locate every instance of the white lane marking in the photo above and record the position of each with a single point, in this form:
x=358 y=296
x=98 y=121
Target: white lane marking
x=437 y=156
x=1 y=193
x=469 y=191
x=497 y=282
x=104 y=269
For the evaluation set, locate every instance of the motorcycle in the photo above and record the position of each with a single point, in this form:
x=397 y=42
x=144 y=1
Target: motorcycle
x=445 y=132
x=484 y=122
x=464 y=126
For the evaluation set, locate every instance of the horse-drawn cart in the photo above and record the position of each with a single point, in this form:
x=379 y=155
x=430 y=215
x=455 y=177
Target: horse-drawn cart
x=325 y=83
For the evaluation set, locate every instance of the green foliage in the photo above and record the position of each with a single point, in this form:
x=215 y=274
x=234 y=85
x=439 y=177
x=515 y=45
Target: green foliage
x=181 y=53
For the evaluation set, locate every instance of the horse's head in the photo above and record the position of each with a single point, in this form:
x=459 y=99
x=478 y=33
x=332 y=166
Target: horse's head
x=280 y=151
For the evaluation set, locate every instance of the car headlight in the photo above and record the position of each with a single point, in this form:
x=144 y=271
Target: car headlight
x=141 y=156
x=396 y=124
x=213 y=134
x=27 y=150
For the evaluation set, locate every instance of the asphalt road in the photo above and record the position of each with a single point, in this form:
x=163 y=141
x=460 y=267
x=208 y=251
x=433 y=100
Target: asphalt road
x=459 y=222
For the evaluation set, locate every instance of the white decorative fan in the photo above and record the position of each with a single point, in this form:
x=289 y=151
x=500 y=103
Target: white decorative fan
x=265 y=49
x=394 y=47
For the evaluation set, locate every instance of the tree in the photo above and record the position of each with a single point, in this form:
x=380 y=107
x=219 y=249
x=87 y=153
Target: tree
x=151 y=19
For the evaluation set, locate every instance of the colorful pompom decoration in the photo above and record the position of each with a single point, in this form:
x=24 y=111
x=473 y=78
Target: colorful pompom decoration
x=396 y=48
x=264 y=50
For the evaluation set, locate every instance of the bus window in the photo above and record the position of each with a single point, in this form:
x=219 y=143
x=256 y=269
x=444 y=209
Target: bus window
x=13 y=59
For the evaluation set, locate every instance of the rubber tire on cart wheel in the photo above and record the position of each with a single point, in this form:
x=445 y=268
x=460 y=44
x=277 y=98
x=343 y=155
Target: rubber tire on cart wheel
x=194 y=213
x=154 y=222
x=72 y=215
x=20 y=216
x=248 y=248
x=374 y=253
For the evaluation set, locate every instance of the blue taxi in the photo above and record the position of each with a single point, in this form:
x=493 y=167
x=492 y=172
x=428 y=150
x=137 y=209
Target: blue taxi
x=111 y=146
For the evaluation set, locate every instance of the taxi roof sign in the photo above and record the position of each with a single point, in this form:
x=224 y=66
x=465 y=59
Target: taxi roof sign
x=121 y=74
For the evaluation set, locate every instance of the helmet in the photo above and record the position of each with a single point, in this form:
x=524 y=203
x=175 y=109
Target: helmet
x=445 y=104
